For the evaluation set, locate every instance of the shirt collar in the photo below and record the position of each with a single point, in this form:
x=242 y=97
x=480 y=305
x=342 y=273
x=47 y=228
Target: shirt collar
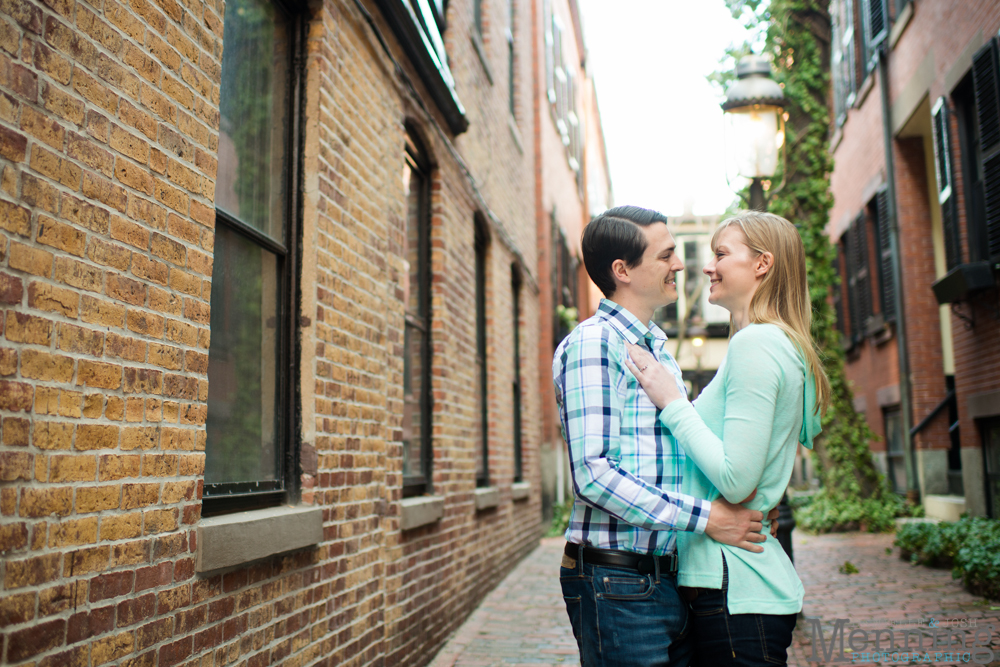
x=627 y=324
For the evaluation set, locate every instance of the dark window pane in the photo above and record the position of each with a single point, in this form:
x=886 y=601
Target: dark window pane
x=253 y=124
x=243 y=400
x=413 y=185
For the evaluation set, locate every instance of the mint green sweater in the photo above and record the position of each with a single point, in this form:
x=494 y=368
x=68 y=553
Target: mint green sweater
x=741 y=434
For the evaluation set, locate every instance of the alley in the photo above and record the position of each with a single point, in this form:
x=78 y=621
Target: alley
x=523 y=621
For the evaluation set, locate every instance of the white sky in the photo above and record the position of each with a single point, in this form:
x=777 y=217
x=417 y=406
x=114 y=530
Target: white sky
x=662 y=120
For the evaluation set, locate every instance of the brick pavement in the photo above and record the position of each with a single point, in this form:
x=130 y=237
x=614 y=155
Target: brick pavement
x=523 y=621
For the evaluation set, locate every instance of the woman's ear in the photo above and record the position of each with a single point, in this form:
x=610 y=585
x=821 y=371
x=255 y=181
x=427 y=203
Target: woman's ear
x=764 y=263
x=620 y=271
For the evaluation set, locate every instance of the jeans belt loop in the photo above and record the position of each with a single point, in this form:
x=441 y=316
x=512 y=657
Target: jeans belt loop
x=579 y=559
x=656 y=568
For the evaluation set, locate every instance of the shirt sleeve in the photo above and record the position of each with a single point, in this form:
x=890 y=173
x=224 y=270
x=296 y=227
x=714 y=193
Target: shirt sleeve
x=590 y=411
x=735 y=463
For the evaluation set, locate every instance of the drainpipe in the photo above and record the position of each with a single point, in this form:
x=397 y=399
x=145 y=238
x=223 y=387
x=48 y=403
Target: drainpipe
x=909 y=460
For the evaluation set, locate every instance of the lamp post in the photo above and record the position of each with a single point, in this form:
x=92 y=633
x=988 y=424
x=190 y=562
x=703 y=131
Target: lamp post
x=755 y=134
x=755 y=125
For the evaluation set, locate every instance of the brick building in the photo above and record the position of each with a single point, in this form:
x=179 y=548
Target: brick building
x=572 y=184
x=942 y=116
x=271 y=284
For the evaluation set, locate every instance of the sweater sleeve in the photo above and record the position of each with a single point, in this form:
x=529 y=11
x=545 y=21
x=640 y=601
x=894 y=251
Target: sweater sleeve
x=752 y=377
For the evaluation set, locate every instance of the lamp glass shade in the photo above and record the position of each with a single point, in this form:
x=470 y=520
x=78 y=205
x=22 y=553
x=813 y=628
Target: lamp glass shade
x=754 y=138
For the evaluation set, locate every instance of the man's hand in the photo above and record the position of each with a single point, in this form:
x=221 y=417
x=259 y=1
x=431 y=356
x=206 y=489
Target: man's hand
x=772 y=516
x=735 y=525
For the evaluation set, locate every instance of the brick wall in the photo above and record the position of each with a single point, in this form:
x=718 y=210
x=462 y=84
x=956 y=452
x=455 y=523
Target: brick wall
x=934 y=39
x=108 y=150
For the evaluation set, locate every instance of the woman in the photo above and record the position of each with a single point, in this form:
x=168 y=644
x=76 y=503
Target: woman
x=741 y=435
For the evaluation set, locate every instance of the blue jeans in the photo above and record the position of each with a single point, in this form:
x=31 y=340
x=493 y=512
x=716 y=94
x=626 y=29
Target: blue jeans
x=621 y=618
x=736 y=640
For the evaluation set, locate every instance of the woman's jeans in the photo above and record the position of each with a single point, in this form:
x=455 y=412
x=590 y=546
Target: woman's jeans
x=736 y=640
x=621 y=618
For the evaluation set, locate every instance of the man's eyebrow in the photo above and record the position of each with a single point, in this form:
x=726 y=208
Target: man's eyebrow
x=670 y=249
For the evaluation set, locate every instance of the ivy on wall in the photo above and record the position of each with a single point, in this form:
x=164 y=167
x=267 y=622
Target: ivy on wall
x=797 y=34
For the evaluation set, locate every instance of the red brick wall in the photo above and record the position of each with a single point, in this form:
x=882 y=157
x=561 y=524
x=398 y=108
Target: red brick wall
x=109 y=129
x=923 y=322
x=943 y=29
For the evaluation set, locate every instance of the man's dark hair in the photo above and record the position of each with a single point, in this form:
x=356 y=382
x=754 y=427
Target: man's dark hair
x=612 y=235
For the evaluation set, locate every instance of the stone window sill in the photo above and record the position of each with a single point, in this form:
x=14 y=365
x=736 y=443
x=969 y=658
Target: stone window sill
x=487 y=497
x=237 y=539
x=520 y=490
x=420 y=511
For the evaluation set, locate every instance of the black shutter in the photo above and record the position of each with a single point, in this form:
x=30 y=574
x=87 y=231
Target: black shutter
x=876 y=23
x=852 y=288
x=943 y=168
x=838 y=291
x=886 y=277
x=864 y=274
x=986 y=81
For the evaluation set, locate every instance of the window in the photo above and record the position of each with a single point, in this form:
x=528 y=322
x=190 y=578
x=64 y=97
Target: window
x=417 y=24
x=875 y=18
x=986 y=81
x=416 y=424
x=510 y=62
x=895 y=463
x=483 y=457
x=515 y=290
x=250 y=431
x=854 y=246
x=842 y=55
x=564 y=279
x=991 y=453
x=562 y=93
x=941 y=121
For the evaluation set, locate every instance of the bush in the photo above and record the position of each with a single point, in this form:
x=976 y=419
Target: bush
x=970 y=547
x=824 y=513
x=560 y=518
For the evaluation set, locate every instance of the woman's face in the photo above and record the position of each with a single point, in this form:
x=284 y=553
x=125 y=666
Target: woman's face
x=733 y=271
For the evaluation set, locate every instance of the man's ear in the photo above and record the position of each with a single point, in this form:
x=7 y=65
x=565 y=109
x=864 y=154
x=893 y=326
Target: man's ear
x=764 y=263
x=620 y=271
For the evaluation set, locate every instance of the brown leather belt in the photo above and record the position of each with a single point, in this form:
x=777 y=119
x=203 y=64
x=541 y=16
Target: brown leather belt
x=641 y=563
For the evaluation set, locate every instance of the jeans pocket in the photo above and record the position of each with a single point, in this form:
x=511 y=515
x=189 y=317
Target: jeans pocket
x=619 y=585
x=710 y=601
x=574 y=605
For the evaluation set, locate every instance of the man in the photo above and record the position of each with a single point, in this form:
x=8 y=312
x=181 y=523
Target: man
x=620 y=563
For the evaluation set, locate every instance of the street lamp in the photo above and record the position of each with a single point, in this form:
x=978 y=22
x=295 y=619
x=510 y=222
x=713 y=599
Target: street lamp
x=755 y=134
x=755 y=127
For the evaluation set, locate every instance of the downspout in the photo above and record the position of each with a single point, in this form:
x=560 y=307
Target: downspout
x=906 y=408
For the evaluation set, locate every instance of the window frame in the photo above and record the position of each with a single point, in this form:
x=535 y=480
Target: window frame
x=516 y=284
x=416 y=154
x=229 y=497
x=482 y=382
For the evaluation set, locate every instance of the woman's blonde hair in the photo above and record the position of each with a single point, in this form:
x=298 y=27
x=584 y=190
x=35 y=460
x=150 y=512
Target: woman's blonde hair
x=782 y=298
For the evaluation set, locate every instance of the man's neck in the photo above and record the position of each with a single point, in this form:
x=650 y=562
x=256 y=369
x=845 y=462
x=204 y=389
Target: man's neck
x=639 y=311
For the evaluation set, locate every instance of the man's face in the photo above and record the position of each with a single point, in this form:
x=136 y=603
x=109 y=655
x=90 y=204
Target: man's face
x=653 y=280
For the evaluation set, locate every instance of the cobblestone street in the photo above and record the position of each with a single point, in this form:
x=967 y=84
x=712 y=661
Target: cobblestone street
x=523 y=621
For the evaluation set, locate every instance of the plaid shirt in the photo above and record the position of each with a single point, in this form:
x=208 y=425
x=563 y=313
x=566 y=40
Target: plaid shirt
x=626 y=465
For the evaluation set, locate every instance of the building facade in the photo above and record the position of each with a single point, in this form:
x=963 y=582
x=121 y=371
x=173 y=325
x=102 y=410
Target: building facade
x=572 y=185
x=941 y=112
x=271 y=283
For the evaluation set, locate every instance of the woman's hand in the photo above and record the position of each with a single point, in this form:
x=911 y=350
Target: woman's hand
x=659 y=383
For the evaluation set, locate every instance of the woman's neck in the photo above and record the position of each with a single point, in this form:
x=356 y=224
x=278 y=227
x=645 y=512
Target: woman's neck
x=741 y=316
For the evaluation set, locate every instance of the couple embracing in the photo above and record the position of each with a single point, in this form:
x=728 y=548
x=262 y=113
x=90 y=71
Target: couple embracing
x=667 y=561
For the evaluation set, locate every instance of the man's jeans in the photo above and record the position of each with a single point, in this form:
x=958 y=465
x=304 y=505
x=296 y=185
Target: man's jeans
x=621 y=618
